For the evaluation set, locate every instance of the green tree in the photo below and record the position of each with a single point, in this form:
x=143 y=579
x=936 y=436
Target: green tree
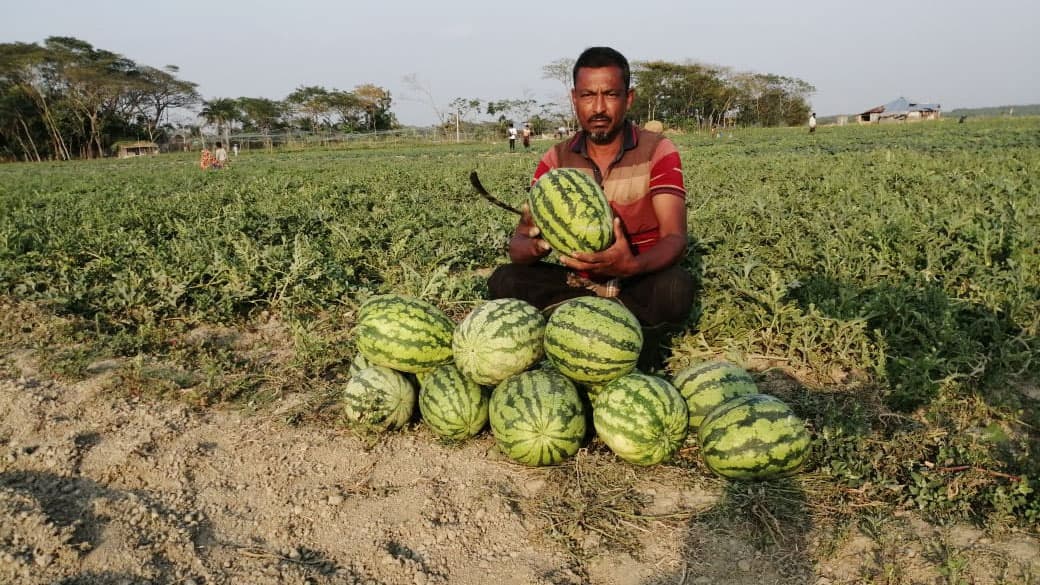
x=221 y=112
x=262 y=115
x=156 y=92
x=680 y=93
x=376 y=103
x=27 y=68
x=97 y=82
x=311 y=105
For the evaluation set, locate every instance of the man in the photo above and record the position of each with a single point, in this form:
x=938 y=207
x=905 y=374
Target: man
x=526 y=134
x=512 y=137
x=812 y=123
x=221 y=156
x=641 y=175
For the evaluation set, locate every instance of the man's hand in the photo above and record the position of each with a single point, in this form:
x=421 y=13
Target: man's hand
x=615 y=261
x=525 y=247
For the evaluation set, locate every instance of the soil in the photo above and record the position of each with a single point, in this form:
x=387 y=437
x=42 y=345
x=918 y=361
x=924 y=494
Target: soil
x=98 y=487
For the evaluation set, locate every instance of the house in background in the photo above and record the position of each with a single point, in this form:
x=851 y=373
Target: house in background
x=139 y=148
x=902 y=110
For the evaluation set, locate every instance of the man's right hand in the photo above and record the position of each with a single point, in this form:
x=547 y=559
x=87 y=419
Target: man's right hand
x=526 y=247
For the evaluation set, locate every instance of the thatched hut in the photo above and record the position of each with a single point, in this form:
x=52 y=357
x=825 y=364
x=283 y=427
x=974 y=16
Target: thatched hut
x=138 y=148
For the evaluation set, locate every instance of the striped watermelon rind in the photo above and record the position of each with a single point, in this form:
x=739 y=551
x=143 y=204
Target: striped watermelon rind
x=403 y=333
x=359 y=363
x=707 y=385
x=593 y=340
x=537 y=418
x=754 y=437
x=571 y=211
x=378 y=399
x=498 y=339
x=452 y=405
x=642 y=418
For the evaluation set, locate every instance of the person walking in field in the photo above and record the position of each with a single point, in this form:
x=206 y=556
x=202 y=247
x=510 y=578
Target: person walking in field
x=526 y=135
x=221 y=156
x=812 y=122
x=512 y=137
x=641 y=174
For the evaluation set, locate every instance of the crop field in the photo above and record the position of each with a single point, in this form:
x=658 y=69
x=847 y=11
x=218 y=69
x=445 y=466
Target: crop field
x=883 y=280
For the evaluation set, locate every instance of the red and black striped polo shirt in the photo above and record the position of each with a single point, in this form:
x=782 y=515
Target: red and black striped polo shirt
x=648 y=165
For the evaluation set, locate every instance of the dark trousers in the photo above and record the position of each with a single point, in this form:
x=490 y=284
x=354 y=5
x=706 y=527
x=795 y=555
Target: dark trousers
x=660 y=300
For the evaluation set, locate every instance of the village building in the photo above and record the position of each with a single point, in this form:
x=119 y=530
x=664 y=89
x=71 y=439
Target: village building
x=138 y=148
x=900 y=110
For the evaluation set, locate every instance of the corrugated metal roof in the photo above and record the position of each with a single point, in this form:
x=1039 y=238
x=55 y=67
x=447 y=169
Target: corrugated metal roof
x=902 y=106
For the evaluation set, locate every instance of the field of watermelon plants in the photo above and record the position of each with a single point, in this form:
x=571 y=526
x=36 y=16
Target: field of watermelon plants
x=883 y=280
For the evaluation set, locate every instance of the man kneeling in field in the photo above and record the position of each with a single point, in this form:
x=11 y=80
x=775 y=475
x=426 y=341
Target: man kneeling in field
x=641 y=175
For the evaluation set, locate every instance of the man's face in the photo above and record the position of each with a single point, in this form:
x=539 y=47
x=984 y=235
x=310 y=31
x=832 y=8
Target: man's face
x=600 y=100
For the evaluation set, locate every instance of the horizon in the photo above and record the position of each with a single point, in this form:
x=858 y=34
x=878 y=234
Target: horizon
x=963 y=58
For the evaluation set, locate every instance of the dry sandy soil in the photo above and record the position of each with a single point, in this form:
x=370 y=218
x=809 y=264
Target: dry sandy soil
x=100 y=488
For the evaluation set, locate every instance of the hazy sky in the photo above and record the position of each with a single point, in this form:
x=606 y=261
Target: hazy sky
x=857 y=54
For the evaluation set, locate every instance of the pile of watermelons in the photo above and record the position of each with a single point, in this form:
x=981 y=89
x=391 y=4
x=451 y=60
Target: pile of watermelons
x=539 y=382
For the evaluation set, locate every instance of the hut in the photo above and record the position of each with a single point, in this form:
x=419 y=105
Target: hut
x=138 y=148
x=902 y=110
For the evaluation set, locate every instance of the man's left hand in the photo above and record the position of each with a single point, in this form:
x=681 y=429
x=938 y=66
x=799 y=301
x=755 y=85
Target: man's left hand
x=615 y=261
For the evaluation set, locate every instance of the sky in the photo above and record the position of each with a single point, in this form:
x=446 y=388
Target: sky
x=858 y=55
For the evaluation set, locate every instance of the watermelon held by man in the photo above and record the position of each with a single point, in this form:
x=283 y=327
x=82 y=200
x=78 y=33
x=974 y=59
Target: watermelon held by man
x=571 y=211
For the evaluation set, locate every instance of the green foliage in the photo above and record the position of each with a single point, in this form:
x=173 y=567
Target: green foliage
x=894 y=270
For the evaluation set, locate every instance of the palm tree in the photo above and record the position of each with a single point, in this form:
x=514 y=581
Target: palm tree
x=221 y=112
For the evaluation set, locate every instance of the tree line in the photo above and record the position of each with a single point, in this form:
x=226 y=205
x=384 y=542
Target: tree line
x=65 y=98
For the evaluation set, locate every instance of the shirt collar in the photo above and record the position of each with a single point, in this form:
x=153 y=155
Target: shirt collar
x=630 y=140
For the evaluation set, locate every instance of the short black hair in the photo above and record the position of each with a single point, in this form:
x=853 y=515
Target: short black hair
x=219 y=145
x=596 y=57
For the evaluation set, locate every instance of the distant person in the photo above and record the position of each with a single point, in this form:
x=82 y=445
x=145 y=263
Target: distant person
x=221 y=155
x=512 y=137
x=812 y=122
x=561 y=132
x=526 y=134
x=207 y=160
x=234 y=149
x=962 y=119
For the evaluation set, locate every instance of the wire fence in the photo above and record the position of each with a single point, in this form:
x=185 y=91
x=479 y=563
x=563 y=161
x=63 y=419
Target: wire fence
x=301 y=139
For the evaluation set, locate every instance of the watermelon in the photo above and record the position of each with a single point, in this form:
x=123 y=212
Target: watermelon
x=707 y=385
x=593 y=340
x=359 y=363
x=498 y=339
x=452 y=405
x=571 y=211
x=537 y=417
x=756 y=436
x=379 y=399
x=593 y=391
x=642 y=418
x=403 y=333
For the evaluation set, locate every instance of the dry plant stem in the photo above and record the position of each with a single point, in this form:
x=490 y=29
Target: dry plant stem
x=960 y=468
